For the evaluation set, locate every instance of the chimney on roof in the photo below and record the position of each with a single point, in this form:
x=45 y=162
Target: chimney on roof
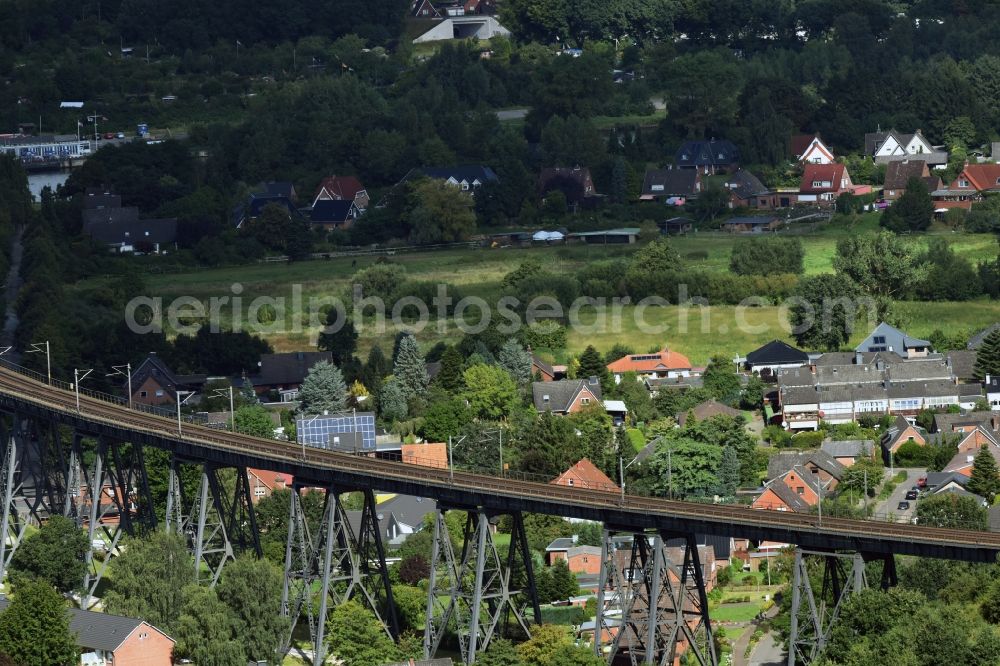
x=576 y=537
x=858 y=360
x=593 y=381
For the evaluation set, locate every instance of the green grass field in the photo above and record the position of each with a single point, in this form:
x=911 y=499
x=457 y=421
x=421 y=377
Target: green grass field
x=696 y=332
x=735 y=613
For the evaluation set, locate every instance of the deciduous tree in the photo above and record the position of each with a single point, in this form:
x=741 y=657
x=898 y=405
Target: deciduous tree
x=949 y=510
x=440 y=213
x=881 y=264
x=251 y=588
x=254 y=420
x=720 y=379
x=205 y=631
x=340 y=338
x=53 y=555
x=823 y=313
x=357 y=638
x=34 y=629
x=148 y=577
x=491 y=392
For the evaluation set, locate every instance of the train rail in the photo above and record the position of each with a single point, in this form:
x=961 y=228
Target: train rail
x=19 y=389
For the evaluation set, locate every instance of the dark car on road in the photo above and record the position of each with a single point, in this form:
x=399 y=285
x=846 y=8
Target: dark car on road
x=903 y=506
x=912 y=494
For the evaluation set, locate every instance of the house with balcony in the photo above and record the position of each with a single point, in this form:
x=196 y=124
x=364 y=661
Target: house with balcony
x=841 y=393
x=664 y=364
x=973 y=183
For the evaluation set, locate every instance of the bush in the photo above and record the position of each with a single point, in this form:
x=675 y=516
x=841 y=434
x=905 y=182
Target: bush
x=808 y=440
x=911 y=454
x=767 y=256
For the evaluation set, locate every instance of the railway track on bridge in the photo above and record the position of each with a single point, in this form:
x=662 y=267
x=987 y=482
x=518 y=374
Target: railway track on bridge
x=634 y=510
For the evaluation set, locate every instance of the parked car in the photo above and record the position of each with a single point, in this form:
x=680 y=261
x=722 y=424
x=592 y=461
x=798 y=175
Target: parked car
x=903 y=506
x=922 y=482
x=109 y=135
x=912 y=495
x=121 y=135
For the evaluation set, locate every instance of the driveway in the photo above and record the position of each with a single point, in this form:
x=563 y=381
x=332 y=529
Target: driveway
x=888 y=507
x=768 y=652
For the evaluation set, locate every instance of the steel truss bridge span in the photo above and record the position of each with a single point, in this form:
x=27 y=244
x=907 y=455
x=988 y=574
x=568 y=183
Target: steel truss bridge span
x=31 y=398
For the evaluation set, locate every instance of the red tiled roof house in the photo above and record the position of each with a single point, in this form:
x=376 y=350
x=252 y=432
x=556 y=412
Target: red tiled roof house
x=658 y=365
x=584 y=474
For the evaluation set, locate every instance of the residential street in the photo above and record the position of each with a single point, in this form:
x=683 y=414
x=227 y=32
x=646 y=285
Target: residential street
x=887 y=507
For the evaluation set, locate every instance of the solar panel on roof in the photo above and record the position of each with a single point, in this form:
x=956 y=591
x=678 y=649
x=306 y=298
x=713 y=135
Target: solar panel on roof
x=351 y=432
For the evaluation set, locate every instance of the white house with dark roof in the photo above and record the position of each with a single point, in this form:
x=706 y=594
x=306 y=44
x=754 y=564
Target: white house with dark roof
x=884 y=147
x=993 y=392
x=775 y=355
x=466 y=177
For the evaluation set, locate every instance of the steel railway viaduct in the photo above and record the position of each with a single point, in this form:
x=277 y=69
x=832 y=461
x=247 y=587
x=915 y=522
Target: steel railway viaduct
x=652 y=602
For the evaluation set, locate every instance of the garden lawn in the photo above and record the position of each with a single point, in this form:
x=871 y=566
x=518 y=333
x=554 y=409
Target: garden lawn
x=734 y=613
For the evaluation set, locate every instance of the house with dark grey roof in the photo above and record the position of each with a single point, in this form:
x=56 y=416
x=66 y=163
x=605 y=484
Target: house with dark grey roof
x=673 y=186
x=976 y=341
x=708 y=157
x=938 y=481
x=965 y=422
x=285 y=372
x=849 y=451
x=898 y=174
x=466 y=177
x=279 y=188
x=746 y=191
x=817 y=462
x=101 y=197
x=707 y=410
x=890 y=338
x=566 y=396
x=885 y=147
x=334 y=213
x=113 y=639
x=775 y=355
x=398 y=517
x=154 y=383
x=256 y=203
x=575 y=183
x=963 y=363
